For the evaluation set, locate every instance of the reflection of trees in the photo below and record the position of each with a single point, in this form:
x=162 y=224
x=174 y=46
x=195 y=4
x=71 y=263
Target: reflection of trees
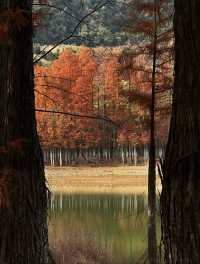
x=117 y=221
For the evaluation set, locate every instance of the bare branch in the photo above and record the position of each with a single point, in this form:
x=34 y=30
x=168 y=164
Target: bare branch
x=97 y=7
x=103 y=118
x=48 y=97
x=46 y=46
x=59 y=9
x=54 y=77
x=65 y=91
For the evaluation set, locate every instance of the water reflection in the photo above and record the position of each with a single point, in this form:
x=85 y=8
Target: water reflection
x=118 y=222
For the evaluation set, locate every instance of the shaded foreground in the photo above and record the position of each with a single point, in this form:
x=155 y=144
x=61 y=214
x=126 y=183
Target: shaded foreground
x=80 y=248
x=103 y=228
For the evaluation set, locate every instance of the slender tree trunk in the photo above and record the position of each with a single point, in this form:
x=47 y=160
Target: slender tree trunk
x=23 y=203
x=152 y=241
x=180 y=198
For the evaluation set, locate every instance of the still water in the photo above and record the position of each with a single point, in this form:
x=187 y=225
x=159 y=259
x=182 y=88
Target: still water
x=117 y=221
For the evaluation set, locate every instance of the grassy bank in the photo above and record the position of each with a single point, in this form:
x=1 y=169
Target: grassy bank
x=122 y=179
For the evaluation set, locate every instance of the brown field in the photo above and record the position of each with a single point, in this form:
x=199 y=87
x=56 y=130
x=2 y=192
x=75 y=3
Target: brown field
x=122 y=179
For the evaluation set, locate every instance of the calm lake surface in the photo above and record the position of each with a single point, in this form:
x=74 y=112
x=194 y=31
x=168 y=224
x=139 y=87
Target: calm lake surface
x=118 y=222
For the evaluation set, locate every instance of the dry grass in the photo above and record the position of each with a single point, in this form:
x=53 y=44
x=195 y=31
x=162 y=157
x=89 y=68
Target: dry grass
x=80 y=249
x=123 y=179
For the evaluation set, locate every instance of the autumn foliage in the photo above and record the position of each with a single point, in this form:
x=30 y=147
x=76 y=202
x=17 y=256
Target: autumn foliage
x=95 y=82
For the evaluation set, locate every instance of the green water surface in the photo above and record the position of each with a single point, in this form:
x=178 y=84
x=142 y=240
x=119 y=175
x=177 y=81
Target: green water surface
x=117 y=221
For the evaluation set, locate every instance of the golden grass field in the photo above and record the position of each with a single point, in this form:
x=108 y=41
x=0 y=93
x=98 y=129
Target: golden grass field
x=122 y=179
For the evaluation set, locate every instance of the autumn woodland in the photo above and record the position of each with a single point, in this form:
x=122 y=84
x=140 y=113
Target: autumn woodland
x=99 y=132
x=112 y=87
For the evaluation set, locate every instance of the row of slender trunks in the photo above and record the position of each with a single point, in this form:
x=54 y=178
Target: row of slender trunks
x=125 y=155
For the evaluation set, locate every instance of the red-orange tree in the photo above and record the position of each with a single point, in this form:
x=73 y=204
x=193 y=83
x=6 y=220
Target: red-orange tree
x=77 y=83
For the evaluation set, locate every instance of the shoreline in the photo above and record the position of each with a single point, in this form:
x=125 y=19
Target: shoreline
x=99 y=180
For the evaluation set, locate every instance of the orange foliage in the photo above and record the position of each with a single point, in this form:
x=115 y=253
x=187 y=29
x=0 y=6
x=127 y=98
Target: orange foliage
x=87 y=83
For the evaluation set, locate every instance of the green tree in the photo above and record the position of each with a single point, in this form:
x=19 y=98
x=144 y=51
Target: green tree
x=103 y=28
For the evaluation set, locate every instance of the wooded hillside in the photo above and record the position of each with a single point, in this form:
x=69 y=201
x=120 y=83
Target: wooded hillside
x=58 y=18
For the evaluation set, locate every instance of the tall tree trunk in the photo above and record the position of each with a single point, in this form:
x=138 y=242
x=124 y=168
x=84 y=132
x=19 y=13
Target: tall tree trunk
x=152 y=241
x=180 y=198
x=23 y=225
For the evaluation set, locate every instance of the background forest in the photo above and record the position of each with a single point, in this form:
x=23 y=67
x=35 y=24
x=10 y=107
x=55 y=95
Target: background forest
x=111 y=80
x=104 y=28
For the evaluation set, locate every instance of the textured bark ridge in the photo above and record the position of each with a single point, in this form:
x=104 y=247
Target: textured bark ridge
x=152 y=241
x=180 y=199
x=23 y=227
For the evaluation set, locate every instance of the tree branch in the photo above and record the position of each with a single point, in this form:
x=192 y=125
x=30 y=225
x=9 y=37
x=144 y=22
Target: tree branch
x=54 y=77
x=97 y=7
x=48 y=97
x=59 y=9
x=106 y=119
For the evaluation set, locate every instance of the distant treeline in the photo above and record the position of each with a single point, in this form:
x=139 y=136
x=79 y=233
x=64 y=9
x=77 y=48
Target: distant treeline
x=103 y=28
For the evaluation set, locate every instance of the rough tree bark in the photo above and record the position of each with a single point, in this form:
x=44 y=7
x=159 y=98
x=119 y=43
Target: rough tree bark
x=152 y=241
x=180 y=198
x=23 y=225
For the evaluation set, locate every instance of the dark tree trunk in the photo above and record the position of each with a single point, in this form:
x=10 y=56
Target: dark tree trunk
x=23 y=226
x=180 y=198
x=152 y=241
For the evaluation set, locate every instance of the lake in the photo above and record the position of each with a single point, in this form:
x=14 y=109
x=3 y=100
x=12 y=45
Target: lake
x=117 y=222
